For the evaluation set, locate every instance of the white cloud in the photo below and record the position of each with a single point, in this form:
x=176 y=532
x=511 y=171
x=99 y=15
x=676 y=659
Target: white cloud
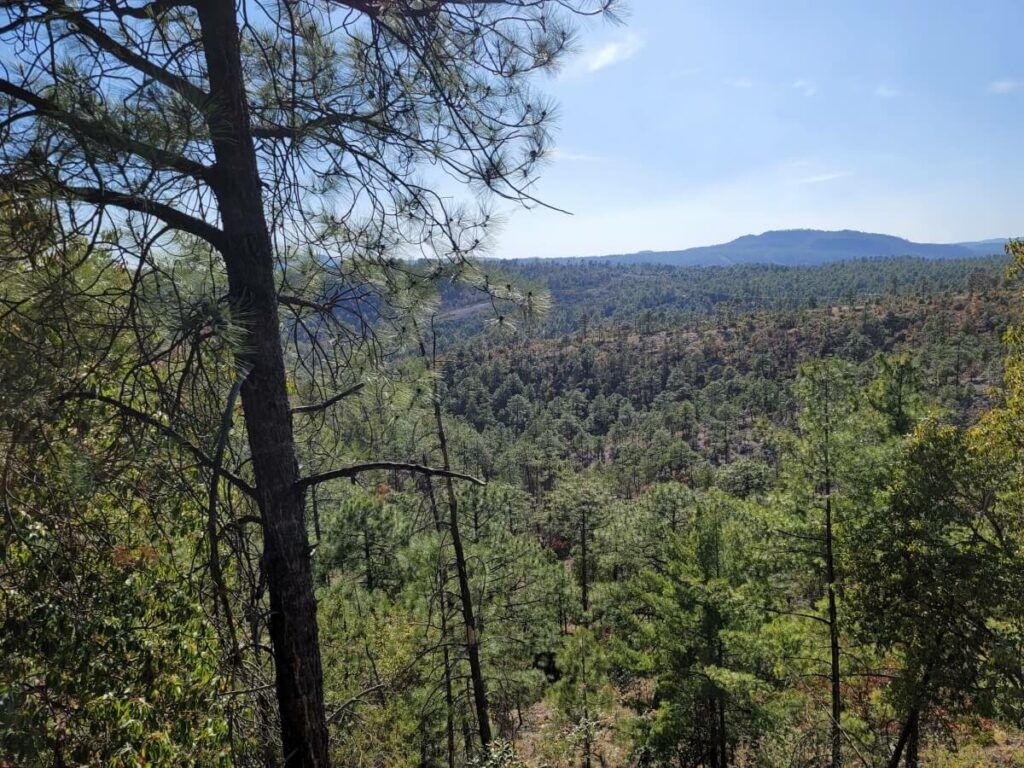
x=821 y=177
x=740 y=82
x=1006 y=85
x=610 y=53
x=884 y=91
x=806 y=87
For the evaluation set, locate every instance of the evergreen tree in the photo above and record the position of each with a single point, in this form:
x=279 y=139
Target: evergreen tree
x=230 y=129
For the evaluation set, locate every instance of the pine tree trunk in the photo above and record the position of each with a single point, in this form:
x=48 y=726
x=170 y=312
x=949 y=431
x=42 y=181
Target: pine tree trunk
x=913 y=760
x=465 y=593
x=907 y=734
x=248 y=257
x=584 y=575
x=449 y=698
x=833 y=634
x=910 y=734
x=461 y=571
x=711 y=716
x=835 y=729
x=367 y=555
x=723 y=746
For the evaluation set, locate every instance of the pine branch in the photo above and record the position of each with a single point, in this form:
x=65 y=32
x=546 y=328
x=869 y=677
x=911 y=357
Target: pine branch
x=356 y=469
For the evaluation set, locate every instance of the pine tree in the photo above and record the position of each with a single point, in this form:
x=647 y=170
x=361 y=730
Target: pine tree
x=283 y=143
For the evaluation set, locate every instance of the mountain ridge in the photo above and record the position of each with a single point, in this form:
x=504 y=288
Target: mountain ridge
x=805 y=247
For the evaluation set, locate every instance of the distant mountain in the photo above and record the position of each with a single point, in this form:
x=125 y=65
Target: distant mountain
x=986 y=247
x=807 y=247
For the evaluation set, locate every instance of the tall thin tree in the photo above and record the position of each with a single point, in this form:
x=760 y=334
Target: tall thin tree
x=826 y=395
x=283 y=140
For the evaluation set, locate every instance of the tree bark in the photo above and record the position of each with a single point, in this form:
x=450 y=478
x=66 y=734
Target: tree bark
x=248 y=256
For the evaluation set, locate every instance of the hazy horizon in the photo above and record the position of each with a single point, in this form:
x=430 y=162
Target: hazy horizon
x=996 y=238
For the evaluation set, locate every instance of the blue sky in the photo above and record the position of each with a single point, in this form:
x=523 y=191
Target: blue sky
x=697 y=122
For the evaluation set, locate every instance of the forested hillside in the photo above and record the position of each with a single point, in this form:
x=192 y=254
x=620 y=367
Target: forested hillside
x=588 y=293
x=669 y=399
x=680 y=519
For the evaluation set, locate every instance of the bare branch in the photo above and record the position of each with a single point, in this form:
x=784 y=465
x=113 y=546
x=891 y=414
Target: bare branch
x=330 y=401
x=415 y=8
x=150 y=10
x=370 y=466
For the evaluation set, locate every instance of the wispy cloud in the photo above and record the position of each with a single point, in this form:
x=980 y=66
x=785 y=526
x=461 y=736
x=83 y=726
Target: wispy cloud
x=610 y=53
x=1005 y=85
x=740 y=82
x=806 y=87
x=823 y=177
x=573 y=157
x=884 y=91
